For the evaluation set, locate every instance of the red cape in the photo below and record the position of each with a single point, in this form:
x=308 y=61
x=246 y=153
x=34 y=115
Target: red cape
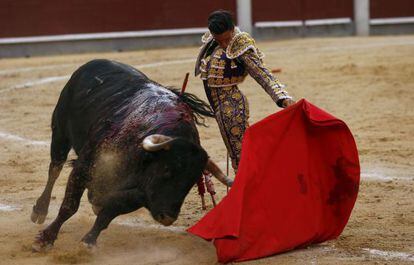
x=296 y=185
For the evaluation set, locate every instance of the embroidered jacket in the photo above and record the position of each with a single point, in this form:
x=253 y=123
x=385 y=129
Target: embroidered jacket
x=221 y=68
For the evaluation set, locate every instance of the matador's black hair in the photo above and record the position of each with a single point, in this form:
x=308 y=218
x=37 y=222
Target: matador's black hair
x=220 y=21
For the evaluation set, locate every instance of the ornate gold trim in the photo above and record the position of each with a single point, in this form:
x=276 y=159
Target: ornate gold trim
x=241 y=43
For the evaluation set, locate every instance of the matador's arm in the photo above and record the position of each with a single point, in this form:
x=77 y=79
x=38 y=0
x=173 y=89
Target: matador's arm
x=243 y=48
x=254 y=66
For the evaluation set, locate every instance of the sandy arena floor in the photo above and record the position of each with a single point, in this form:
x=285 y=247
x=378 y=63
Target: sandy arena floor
x=367 y=82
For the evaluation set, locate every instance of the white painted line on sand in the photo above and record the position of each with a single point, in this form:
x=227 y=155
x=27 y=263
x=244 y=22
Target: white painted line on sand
x=45 y=80
x=11 y=137
x=8 y=208
x=389 y=255
x=34 y=68
x=52 y=79
x=376 y=176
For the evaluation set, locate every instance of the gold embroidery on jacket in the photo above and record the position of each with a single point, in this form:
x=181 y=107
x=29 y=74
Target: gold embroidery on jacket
x=241 y=43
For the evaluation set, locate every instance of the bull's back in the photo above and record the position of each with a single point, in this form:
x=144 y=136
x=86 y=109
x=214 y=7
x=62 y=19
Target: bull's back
x=96 y=93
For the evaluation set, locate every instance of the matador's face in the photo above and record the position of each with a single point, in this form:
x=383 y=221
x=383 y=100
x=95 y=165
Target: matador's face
x=224 y=38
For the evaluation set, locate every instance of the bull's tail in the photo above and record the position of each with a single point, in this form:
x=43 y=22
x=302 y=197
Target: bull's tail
x=200 y=108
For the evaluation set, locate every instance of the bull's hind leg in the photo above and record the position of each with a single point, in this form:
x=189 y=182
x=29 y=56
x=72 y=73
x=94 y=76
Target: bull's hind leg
x=59 y=150
x=74 y=190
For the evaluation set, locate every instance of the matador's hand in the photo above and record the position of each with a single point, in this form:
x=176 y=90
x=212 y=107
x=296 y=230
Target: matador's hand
x=287 y=102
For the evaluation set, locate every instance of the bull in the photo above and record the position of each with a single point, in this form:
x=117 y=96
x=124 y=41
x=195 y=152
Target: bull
x=136 y=143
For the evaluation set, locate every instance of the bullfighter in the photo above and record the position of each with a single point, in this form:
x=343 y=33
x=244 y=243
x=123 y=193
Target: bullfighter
x=226 y=57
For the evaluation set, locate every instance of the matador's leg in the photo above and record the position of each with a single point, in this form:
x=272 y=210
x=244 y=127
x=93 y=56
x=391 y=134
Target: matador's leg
x=232 y=114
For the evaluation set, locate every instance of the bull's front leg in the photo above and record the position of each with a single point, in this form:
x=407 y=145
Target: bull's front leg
x=70 y=205
x=115 y=204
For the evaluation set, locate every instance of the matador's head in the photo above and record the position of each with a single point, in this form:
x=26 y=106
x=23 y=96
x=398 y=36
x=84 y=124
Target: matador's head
x=221 y=26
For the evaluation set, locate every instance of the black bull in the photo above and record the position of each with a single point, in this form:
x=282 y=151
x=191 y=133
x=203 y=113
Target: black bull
x=137 y=146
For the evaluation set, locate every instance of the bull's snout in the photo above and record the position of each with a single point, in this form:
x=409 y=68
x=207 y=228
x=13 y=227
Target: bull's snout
x=165 y=219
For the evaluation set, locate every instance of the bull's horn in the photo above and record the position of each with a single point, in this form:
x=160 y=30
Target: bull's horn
x=216 y=171
x=156 y=142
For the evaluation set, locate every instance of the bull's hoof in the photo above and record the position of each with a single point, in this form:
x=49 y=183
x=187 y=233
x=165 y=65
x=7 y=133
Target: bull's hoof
x=89 y=246
x=37 y=216
x=43 y=241
x=89 y=241
x=40 y=245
